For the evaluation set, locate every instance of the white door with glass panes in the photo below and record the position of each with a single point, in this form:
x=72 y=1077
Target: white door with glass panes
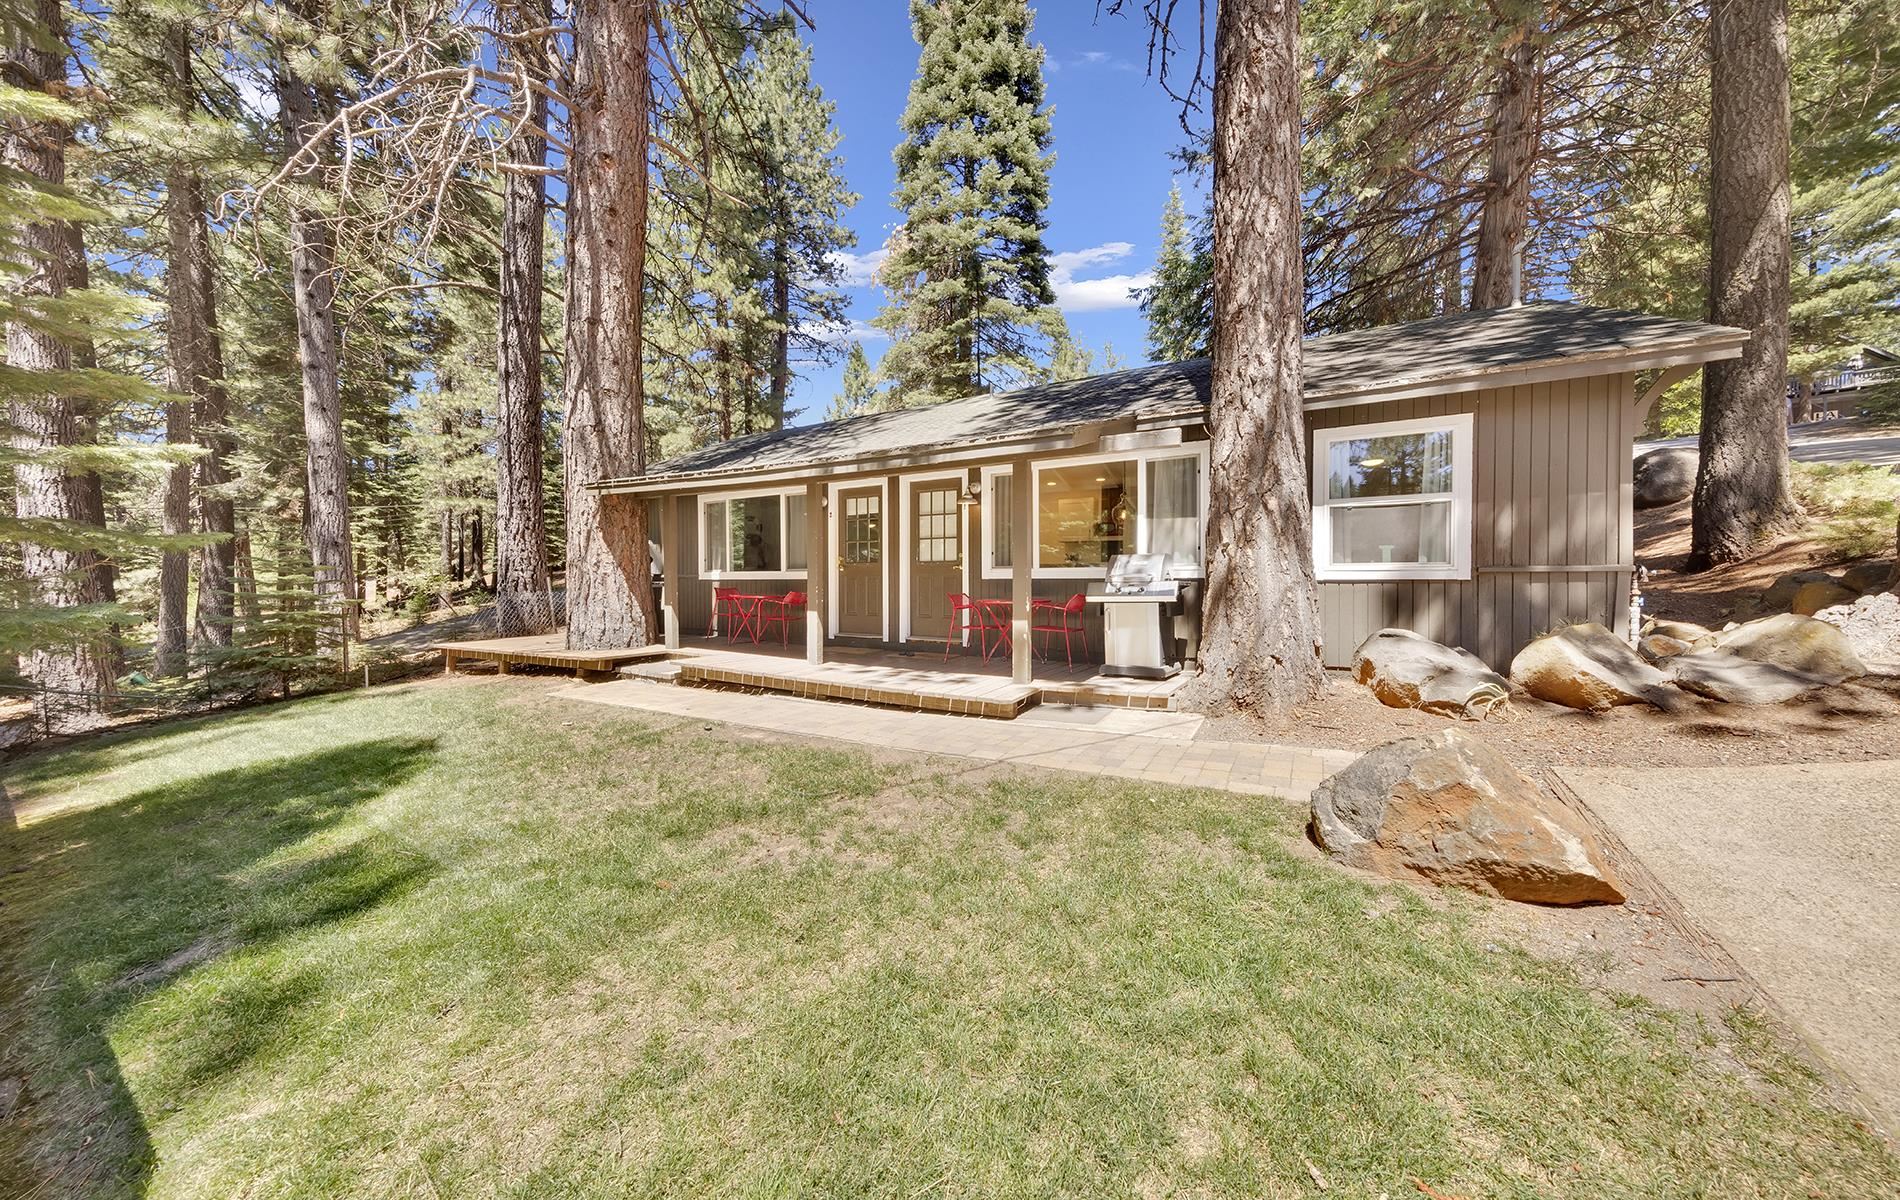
x=936 y=556
x=861 y=562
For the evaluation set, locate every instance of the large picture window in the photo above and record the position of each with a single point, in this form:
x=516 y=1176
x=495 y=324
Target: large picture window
x=752 y=535
x=1087 y=510
x=1084 y=514
x=1393 y=501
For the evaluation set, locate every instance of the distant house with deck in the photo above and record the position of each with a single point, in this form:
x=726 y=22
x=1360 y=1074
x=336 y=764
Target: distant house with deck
x=1470 y=477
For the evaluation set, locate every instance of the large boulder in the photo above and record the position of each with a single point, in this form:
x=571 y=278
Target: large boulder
x=1817 y=594
x=1664 y=477
x=1586 y=666
x=1871 y=626
x=1796 y=643
x=1733 y=679
x=1682 y=631
x=1654 y=647
x=1867 y=577
x=1779 y=596
x=1408 y=670
x=1448 y=808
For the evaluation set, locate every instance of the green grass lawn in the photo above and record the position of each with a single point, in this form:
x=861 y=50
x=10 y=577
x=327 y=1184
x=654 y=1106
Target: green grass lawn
x=457 y=939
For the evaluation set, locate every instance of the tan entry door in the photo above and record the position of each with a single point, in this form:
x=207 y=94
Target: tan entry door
x=861 y=562
x=936 y=557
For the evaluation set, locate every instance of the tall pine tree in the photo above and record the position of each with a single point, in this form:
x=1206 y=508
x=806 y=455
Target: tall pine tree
x=1176 y=305
x=860 y=385
x=968 y=271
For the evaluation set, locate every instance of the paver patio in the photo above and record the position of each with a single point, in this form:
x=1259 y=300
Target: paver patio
x=1156 y=746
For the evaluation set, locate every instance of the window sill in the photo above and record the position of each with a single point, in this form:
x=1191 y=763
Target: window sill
x=1391 y=574
x=742 y=576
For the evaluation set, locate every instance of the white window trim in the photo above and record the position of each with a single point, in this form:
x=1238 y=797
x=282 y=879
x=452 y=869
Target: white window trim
x=1140 y=459
x=784 y=538
x=1460 y=426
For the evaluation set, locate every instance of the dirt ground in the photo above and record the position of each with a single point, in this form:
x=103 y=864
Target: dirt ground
x=1845 y=724
x=1708 y=598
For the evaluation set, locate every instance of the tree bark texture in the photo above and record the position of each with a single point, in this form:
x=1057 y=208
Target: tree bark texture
x=1261 y=638
x=524 y=604
x=609 y=571
x=78 y=678
x=1497 y=265
x=782 y=319
x=197 y=367
x=313 y=287
x=1741 y=495
x=91 y=488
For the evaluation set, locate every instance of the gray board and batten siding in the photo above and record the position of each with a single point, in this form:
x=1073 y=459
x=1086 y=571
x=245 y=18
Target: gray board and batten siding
x=1551 y=516
x=1550 y=389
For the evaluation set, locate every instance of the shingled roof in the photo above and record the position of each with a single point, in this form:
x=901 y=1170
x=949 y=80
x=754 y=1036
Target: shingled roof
x=1460 y=352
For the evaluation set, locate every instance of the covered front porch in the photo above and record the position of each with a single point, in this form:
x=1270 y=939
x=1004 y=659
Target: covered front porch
x=875 y=561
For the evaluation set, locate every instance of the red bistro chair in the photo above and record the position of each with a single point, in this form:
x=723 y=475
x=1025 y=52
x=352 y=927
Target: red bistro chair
x=1049 y=618
x=967 y=615
x=723 y=606
x=777 y=610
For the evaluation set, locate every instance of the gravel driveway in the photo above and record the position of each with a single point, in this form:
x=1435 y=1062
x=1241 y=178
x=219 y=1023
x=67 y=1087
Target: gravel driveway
x=1795 y=870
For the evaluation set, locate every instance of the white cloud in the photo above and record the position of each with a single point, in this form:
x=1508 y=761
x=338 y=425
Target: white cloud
x=860 y=270
x=852 y=330
x=1095 y=295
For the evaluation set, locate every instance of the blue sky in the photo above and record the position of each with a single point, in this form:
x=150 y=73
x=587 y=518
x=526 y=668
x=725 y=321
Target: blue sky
x=1114 y=129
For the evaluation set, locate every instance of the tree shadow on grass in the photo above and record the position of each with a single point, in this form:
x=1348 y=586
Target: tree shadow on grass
x=106 y=912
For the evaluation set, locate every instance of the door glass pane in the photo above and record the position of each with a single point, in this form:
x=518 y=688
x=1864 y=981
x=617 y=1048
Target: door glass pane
x=795 y=532
x=1000 y=506
x=1406 y=464
x=1393 y=533
x=863 y=533
x=713 y=542
x=1174 y=510
x=1083 y=514
x=937 y=517
x=752 y=533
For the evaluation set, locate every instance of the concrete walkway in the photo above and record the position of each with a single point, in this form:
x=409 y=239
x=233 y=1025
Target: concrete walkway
x=1155 y=746
x=1795 y=870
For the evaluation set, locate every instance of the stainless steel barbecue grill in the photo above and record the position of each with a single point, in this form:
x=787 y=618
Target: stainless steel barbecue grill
x=1136 y=598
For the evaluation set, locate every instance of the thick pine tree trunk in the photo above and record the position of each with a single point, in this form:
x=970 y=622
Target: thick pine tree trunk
x=313 y=284
x=1741 y=494
x=186 y=371
x=78 y=678
x=169 y=653
x=1496 y=266
x=609 y=584
x=197 y=370
x=1261 y=639
x=103 y=586
x=523 y=603
x=245 y=577
x=782 y=322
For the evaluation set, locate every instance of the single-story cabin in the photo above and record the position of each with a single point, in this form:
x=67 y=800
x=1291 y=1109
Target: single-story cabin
x=1470 y=481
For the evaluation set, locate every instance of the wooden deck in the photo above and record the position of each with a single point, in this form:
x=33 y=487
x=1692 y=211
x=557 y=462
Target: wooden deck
x=923 y=682
x=542 y=650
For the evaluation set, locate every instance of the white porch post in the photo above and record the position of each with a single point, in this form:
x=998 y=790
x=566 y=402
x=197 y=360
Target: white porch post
x=670 y=571
x=1022 y=550
x=817 y=572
